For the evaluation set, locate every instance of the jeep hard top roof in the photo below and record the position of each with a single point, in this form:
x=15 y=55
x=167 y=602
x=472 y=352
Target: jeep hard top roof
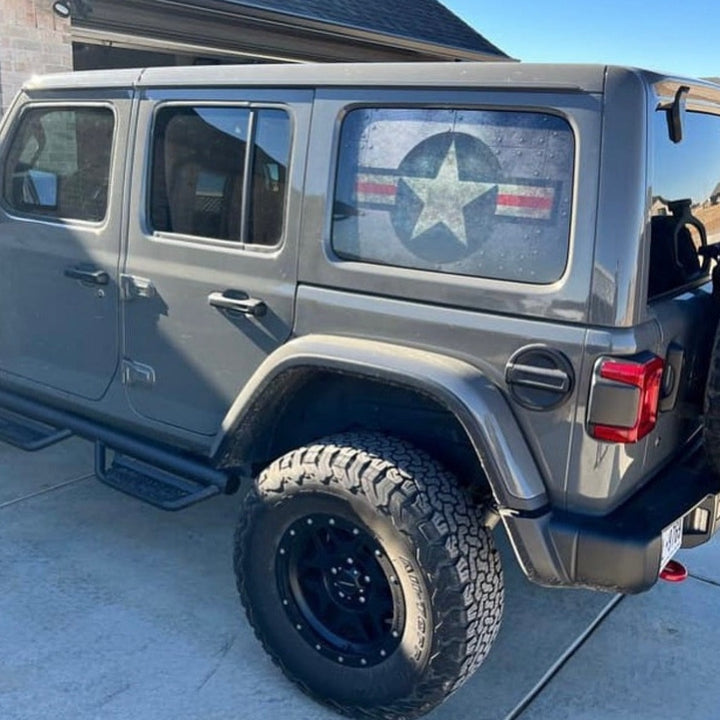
x=500 y=75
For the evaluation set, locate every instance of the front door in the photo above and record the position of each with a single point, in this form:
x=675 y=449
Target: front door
x=209 y=282
x=60 y=220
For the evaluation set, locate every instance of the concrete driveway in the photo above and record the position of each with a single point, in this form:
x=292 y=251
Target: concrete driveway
x=111 y=609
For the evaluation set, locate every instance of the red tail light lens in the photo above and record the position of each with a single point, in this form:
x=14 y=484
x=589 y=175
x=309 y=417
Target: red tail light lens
x=647 y=377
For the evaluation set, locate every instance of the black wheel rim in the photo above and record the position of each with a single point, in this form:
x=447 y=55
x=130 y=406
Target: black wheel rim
x=340 y=590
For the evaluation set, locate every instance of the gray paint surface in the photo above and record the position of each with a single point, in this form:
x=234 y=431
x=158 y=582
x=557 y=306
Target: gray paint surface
x=201 y=360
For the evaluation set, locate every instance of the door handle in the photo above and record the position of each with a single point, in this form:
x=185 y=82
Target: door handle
x=88 y=275
x=244 y=305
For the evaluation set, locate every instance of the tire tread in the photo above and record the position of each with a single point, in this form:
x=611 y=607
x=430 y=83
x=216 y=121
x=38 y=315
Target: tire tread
x=457 y=552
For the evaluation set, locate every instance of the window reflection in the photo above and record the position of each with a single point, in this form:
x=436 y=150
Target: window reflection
x=202 y=183
x=689 y=169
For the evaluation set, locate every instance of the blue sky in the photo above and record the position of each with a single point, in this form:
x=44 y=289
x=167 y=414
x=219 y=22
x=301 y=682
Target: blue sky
x=678 y=37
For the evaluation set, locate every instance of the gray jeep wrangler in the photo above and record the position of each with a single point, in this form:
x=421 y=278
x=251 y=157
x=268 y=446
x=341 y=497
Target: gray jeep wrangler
x=395 y=305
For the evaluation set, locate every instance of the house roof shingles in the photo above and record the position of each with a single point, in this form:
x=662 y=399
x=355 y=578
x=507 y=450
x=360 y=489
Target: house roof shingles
x=426 y=20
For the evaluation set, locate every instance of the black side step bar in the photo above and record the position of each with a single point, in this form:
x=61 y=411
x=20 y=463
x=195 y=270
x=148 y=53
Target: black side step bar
x=28 y=434
x=149 y=483
x=160 y=458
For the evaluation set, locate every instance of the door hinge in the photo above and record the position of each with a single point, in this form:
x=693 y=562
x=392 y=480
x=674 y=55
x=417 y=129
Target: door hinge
x=135 y=373
x=132 y=286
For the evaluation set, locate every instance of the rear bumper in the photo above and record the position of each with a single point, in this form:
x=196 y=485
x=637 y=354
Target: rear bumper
x=620 y=552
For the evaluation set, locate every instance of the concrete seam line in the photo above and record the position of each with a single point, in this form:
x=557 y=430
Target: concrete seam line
x=44 y=491
x=555 y=668
x=706 y=580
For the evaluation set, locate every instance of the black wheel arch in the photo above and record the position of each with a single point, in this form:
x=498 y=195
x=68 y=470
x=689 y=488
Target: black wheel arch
x=304 y=405
x=320 y=385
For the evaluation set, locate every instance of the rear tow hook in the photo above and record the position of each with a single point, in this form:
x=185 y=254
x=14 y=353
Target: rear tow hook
x=674 y=572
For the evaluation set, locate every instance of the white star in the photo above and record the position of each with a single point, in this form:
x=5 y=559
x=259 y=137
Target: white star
x=444 y=197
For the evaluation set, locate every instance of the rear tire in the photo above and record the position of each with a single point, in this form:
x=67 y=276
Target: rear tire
x=711 y=414
x=367 y=575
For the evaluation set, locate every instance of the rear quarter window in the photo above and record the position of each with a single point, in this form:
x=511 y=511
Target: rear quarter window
x=485 y=193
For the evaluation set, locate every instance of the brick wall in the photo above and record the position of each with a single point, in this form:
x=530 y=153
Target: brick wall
x=33 y=40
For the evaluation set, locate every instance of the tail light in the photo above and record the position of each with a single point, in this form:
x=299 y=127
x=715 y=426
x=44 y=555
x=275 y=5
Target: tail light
x=624 y=398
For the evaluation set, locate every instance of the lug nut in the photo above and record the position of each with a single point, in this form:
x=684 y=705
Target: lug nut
x=363 y=661
x=292 y=532
x=378 y=553
x=318 y=648
x=356 y=531
x=331 y=521
x=367 y=579
x=309 y=521
x=298 y=627
x=395 y=634
x=282 y=551
x=350 y=561
x=362 y=599
x=341 y=658
x=285 y=602
x=383 y=653
x=333 y=571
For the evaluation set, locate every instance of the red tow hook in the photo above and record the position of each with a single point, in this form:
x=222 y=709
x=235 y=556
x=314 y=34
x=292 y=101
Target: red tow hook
x=674 y=572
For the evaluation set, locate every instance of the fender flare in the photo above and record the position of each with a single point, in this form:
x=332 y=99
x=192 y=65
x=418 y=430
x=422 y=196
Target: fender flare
x=455 y=384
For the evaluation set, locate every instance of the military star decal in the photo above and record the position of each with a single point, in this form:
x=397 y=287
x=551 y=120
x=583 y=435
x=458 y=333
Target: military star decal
x=444 y=197
x=449 y=189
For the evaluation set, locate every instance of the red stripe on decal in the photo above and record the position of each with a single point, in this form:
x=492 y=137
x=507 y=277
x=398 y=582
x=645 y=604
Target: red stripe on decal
x=527 y=201
x=375 y=188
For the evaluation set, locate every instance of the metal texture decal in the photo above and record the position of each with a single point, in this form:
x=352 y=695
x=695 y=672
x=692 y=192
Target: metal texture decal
x=473 y=192
x=447 y=190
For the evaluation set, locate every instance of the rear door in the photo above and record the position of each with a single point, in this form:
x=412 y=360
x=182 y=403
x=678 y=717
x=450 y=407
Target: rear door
x=60 y=220
x=209 y=282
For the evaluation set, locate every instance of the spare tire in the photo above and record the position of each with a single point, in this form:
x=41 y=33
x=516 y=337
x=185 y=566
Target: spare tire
x=711 y=410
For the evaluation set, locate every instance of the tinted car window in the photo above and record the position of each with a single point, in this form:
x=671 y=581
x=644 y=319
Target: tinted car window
x=271 y=155
x=58 y=163
x=685 y=187
x=689 y=169
x=483 y=193
x=204 y=183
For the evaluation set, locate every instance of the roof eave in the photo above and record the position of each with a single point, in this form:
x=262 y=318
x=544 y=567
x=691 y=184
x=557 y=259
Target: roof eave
x=289 y=20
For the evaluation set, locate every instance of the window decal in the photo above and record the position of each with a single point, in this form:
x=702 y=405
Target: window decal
x=455 y=191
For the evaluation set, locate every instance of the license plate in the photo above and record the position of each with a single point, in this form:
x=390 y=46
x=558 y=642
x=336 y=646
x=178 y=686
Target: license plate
x=671 y=541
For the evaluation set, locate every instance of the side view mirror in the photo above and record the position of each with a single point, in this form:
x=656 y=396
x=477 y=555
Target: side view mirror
x=40 y=189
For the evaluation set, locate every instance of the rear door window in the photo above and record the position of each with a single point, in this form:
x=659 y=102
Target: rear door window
x=484 y=193
x=206 y=183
